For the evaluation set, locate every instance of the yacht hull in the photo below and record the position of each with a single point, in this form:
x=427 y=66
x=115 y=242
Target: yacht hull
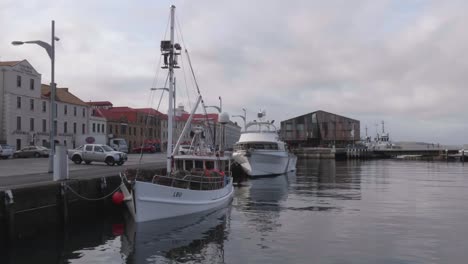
x=265 y=163
x=153 y=201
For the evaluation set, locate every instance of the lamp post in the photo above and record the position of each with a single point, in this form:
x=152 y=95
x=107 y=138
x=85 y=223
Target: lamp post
x=244 y=117
x=50 y=48
x=219 y=109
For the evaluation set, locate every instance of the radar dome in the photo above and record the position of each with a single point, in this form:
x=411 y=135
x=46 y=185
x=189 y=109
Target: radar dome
x=223 y=118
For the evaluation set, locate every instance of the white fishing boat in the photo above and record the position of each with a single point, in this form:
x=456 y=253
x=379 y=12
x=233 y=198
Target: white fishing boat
x=260 y=152
x=191 y=183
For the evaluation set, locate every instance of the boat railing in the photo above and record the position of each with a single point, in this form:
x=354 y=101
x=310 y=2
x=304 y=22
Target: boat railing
x=198 y=179
x=191 y=181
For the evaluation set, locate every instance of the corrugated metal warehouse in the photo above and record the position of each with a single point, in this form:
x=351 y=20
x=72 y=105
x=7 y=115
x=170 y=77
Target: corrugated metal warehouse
x=320 y=129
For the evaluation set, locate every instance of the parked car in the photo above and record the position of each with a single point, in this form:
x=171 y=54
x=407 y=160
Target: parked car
x=32 y=151
x=97 y=152
x=6 y=151
x=146 y=148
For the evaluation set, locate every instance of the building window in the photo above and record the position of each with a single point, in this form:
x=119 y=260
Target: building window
x=65 y=127
x=65 y=110
x=84 y=114
x=18 y=123
x=110 y=129
x=31 y=84
x=18 y=102
x=141 y=131
x=74 y=127
x=31 y=104
x=74 y=110
x=94 y=127
x=116 y=129
x=56 y=111
x=123 y=129
x=44 y=125
x=55 y=127
x=18 y=81
x=31 y=124
x=83 y=129
x=44 y=106
x=134 y=131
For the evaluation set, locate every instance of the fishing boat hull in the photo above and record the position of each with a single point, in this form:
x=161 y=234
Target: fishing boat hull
x=265 y=163
x=154 y=201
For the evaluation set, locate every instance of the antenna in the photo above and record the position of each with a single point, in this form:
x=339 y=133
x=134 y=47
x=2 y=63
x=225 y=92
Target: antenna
x=383 y=127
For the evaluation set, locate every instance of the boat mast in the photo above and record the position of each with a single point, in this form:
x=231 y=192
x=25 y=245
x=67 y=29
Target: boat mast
x=170 y=112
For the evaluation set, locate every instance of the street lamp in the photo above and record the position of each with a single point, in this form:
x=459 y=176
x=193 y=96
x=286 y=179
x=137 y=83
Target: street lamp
x=244 y=117
x=50 y=48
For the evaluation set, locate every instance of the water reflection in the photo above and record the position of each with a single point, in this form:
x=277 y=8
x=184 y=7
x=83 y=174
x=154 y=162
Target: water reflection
x=328 y=179
x=195 y=238
x=329 y=212
x=261 y=200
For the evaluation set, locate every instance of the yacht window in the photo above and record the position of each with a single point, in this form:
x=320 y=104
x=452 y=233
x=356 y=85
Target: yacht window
x=259 y=146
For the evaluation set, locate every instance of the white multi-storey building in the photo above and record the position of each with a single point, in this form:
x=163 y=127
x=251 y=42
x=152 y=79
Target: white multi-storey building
x=24 y=114
x=25 y=106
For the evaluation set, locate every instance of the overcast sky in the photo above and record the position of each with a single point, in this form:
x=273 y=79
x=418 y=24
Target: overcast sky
x=404 y=62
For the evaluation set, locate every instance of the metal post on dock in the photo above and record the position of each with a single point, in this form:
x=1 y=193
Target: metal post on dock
x=9 y=215
x=62 y=201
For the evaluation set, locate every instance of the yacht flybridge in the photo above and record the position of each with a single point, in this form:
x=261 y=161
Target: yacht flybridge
x=260 y=152
x=192 y=183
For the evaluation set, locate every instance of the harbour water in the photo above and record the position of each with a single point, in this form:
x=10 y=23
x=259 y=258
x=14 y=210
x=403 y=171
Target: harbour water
x=377 y=211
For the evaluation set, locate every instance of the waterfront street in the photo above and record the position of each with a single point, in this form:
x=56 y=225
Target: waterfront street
x=14 y=172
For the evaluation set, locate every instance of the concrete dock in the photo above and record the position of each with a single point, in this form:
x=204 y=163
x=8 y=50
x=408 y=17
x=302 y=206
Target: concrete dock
x=31 y=202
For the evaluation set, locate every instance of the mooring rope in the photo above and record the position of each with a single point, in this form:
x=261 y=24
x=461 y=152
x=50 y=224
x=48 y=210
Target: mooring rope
x=94 y=199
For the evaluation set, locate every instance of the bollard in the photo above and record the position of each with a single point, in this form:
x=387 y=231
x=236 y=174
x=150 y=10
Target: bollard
x=60 y=163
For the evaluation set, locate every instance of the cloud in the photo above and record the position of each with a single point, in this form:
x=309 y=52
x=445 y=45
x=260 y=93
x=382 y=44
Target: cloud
x=401 y=61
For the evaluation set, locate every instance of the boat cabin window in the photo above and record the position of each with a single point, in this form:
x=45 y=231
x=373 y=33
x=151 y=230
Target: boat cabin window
x=179 y=164
x=209 y=165
x=199 y=164
x=189 y=164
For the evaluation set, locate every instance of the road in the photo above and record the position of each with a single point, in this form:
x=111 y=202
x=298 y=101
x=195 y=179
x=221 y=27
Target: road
x=23 y=172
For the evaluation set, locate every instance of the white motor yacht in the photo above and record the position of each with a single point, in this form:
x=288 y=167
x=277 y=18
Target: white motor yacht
x=260 y=152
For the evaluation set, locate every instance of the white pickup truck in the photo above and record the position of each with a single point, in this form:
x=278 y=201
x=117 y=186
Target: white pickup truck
x=97 y=152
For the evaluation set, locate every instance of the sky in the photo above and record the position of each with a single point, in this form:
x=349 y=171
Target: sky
x=403 y=62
